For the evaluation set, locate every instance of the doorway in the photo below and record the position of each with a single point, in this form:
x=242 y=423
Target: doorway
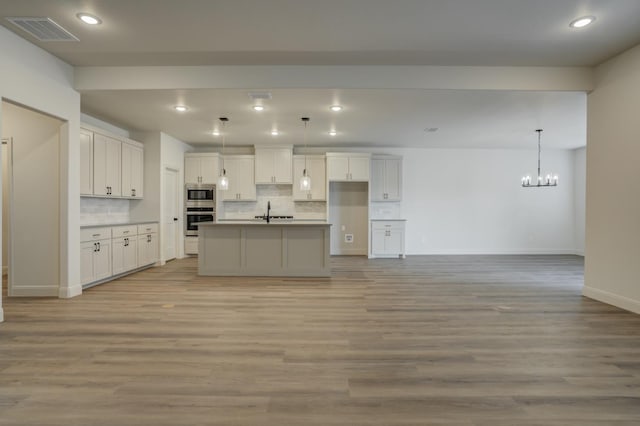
x=170 y=208
x=31 y=201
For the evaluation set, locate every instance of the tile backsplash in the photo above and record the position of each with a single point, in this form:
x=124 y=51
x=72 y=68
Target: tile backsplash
x=97 y=211
x=282 y=203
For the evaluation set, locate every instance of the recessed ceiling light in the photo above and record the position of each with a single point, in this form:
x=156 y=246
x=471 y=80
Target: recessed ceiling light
x=216 y=133
x=274 y=133
x=89 y=19
x=180 y=108
x=258 y=108
x=336 y=108
x=333 y=133
x=582 y=22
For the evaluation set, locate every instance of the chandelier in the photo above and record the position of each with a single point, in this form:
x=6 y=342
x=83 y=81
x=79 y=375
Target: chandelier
x=549 y=179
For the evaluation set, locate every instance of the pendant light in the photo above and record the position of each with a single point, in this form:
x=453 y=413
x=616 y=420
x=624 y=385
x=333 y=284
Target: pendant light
x=305 y=180
x=549 y=180
x=223 y=180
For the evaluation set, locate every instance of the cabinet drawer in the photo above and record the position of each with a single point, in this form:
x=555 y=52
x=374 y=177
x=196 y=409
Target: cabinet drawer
x=95 y=234
x=148 y=228
x=381 y=225
x=124 y=231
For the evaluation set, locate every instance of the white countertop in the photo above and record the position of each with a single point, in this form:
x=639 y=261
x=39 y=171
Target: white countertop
x=109 y=225
x=264 y=223
x=388 y=220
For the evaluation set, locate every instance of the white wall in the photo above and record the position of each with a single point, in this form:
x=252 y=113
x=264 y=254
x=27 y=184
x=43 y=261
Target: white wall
x=612 y=269
x=36 y=189
x=580 y=189
x=32 y=77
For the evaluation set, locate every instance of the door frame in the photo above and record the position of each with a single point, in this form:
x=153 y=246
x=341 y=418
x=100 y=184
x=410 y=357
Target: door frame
x=9 y=266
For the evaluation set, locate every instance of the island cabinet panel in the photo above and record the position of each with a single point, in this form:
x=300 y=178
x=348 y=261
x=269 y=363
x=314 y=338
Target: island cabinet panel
x=256 y=249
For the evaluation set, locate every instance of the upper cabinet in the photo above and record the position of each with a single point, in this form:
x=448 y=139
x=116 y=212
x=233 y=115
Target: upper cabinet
x=386 y=178
x=240 y=171
x=343 y=166
x=110 y=166
x=132 y=170
x=107 y=157
x=86 y=162
x=273 y=165
x=201 y=168
x=316 y=170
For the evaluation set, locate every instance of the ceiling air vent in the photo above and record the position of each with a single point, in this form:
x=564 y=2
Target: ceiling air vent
x=259 y=95
x=44 y=29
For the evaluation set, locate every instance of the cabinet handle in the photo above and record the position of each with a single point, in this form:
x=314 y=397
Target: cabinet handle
x=95 y=247
x=96 y=235
x=148 y=238
x=98 y=243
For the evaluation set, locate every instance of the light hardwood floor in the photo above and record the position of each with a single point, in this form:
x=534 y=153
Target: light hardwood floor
x=437 y=340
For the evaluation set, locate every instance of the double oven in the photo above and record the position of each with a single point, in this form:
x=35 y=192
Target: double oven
x=200 y=206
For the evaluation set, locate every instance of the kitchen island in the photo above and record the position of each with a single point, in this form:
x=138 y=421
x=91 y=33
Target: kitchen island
x=252 y=248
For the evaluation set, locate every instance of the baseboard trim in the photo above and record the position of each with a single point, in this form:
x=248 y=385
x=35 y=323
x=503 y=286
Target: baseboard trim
x=69 y=292
x=612 y=299
x=34 y=291
x=454 y=252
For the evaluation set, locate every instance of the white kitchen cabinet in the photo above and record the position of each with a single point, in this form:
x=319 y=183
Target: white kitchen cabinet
x=348 y=166
x=95 y=254
x=86 y=162
x=387 y=238
x=240 y=171
x=124 y=247
x=386 y=178
x=273 y=165
x=107 y=157
x=132 y=170
x=201 y=168
x=316 y=170
x=190 y=245
x=148 y=247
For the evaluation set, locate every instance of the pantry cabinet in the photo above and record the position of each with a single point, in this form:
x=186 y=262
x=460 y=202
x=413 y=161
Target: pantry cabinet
x=316 y=170
x=240 y=171
x=348 y=167
x=386 y=178
x=201 y=168
x=132 y=170
x=273 y=165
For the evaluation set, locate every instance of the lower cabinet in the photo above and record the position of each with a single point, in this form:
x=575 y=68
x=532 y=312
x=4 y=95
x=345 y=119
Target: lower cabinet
x=124 y=247
x=147 y=249
x=95 y=250
x=387 y=238
x=108 y=252
x=191 y=245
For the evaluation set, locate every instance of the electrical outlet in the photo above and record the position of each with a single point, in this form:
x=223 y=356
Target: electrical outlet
x=348 y=238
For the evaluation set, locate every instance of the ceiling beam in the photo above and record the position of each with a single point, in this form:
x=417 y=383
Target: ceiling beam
x=341 y=77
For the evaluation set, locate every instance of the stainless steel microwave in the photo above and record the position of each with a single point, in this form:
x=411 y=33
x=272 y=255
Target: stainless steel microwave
x=200 y=193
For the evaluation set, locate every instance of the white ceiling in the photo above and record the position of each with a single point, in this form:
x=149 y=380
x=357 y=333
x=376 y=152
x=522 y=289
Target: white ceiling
x=464 y=118
x=344 y=32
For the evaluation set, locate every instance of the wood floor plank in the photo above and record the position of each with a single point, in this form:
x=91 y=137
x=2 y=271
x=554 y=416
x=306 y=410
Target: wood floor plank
x=426 y=340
